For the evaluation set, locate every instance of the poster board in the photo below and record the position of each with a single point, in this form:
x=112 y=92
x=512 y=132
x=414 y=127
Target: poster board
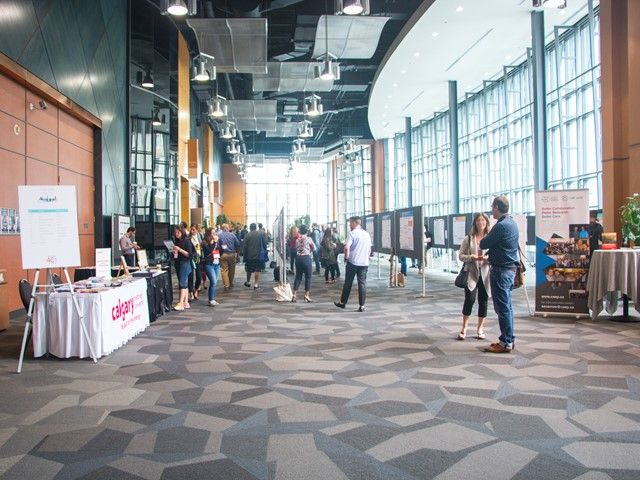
x=522 y=223
x=49 y=226
x=143 y=262
x=370 y=224
x=386 y=238
x=459 y=226
x=409 y=232
x=438 y=227
x=531 y=230
x=119 y=225
x=562 y=257
x=103 y=262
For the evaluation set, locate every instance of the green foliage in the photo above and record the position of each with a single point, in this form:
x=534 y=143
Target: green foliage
x=630 y=217
x=222 y=218
x=303 y=220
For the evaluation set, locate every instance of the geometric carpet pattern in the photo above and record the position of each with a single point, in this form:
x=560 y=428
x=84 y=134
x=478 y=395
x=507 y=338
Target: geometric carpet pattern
x=255 y=389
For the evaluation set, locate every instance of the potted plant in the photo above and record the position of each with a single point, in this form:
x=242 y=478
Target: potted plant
x=630 y=217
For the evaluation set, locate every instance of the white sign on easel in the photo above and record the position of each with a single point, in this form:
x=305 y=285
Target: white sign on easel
x=49 y=226
x=103 y=262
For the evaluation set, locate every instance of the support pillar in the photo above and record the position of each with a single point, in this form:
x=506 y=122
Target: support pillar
x=408 y=156
x=454 y=143
x=620 y=64
x=539 y=132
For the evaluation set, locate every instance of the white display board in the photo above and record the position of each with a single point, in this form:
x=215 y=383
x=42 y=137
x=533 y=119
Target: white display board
x=143 y=263
x=522 y=224
x=49 y=226
x=103 y=262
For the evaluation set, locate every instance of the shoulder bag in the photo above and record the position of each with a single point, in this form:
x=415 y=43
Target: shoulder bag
x=518 y=280
x=462 y=279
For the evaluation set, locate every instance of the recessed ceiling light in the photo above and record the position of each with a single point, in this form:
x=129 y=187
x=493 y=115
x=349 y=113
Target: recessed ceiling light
x=562 y=12
x=386 y=106
x=403 y=71
x=459 y=9
x=416 y=54
x=435 y=34
x=395 y=84
x=486 y=74
x=389 y=96
x=508 y=57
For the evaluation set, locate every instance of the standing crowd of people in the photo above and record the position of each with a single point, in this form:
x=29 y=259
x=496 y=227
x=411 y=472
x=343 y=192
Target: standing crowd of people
x=489 y=256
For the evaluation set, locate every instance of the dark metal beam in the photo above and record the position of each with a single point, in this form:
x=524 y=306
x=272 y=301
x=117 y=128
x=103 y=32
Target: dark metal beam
x=407 y=155
x=539 y=101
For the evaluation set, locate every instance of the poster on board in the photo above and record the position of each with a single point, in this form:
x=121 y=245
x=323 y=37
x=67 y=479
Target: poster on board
x=459 y=226
x=119 y=226
x=103 y=262
x=49 y=226
x=386 y=232
x=439 y=232
x=522 y=223
x=562 y=252
x=409 y=232
x=369 y=224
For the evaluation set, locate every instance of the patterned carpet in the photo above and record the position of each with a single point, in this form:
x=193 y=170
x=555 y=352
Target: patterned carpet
x=254 y=389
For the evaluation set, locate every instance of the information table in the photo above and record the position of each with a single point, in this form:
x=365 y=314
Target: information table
x=112 y=318
x=159 y=290
x=613 y=273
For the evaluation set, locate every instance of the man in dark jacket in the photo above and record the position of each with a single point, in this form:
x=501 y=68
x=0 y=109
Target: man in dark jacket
x=252 y=245
x=502 y=243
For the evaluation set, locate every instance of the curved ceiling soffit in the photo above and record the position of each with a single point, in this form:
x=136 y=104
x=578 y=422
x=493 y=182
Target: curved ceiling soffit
x=417 y=15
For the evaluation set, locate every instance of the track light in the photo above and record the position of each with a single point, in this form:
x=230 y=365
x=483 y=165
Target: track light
x=305 y=130
x=147 y=81
x=217 y=108
x=550 y=3
x=313 y=106
x=352 y=7
x=177 y=8
x=228 y=130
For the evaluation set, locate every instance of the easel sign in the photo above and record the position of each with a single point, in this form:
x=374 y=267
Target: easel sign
x=143 y=262
x=103 y=262
x=49 y=239
x=49 y=232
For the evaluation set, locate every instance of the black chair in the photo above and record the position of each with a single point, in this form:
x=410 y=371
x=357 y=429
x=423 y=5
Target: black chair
x=55 y=279
x=25 y=289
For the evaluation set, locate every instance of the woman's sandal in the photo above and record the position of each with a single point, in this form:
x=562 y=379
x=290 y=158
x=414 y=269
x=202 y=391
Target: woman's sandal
x=462 y=335
x=480 y=335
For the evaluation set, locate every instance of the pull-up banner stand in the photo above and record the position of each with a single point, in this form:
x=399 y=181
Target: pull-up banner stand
x=49 y=239
x=562 y=253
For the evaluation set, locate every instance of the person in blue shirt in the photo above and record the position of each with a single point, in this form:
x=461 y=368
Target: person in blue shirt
x=502 y=243
x=230 y=248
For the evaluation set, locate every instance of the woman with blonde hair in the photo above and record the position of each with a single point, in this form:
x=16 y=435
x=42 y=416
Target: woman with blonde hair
x=477 y=266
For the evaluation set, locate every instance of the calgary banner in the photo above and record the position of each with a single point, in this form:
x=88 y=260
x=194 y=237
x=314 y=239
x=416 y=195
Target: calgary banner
x=562 y=252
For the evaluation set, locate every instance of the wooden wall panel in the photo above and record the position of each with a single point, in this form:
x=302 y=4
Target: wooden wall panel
x=84 y=192
x=184 y=88
x=75 y=132
x=13 y=174
x=41 y=173
x=235 y=202
x=47 y=119
x=11 y=259
x=75 y=158
x=12 y=95
x=12 y=133
x=42 y=145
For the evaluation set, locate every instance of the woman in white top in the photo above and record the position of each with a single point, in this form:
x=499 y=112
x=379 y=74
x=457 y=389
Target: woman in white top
x=477 y=265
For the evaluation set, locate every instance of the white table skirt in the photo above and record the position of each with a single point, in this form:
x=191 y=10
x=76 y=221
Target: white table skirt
x=111 y=317
x=613 y=273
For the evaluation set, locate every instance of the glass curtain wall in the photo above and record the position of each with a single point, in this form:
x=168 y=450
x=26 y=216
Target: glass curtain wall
x=495 y=135
x=302 y=191
x=573 y=109
x=354 y=185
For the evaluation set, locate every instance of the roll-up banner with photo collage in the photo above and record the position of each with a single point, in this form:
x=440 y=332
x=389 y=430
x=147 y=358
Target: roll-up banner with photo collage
x=370 y=224
x=562 y=251
x=409 y=232
x=438 y=226
x=386 y=237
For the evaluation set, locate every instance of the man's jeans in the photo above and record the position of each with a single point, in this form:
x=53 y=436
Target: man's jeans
x=501 y=280
x=352 y=271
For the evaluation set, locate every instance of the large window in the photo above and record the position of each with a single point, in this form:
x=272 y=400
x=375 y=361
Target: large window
x=302 y=191
x=495 y=135
x=573 y=109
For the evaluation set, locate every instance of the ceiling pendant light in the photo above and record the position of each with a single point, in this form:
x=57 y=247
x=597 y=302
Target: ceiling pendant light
x=147 y=81
x=177 y=8
x=228 y=130
x=238 y=160
x=298 y=147
x=217 y=108
x=329 y=70
x=233 y=148
x=305 y=130
x=550 y=3
x=155 y=119
x=352 y=7
x=313 y=106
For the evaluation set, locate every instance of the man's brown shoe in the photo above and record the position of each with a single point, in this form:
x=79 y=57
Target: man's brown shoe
x=497 y=348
